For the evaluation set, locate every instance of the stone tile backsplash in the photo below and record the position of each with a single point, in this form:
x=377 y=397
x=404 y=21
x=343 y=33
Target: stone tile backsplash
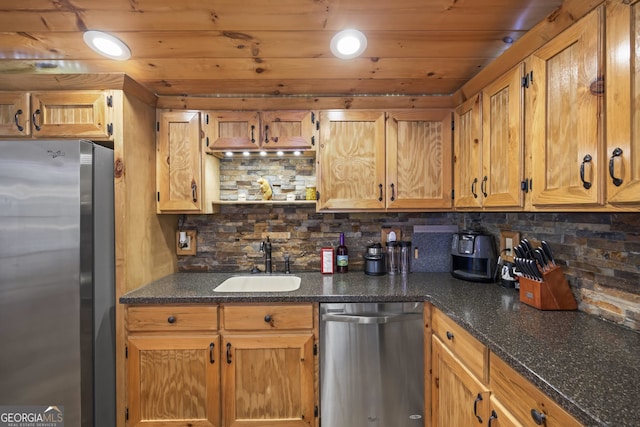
x=599 y=252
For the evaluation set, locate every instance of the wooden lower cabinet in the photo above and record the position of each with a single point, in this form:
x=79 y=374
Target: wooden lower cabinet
x=470 y=386
x=174 y=380
x=458 y=398
x=523 y=400
x=258 y=368
x=268 y=380
x=269 y=365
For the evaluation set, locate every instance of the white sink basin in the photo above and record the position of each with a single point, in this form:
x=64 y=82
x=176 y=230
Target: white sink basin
x=259 y=283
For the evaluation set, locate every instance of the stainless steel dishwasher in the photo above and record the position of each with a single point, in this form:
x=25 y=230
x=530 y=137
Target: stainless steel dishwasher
x=371 y=365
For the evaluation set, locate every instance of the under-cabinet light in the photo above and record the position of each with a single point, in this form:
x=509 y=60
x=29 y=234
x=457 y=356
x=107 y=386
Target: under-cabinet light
x=297 y=153
x=107 y=45
x=263 y=153
x=229 y=154
x=246 y=153
x=280 y=153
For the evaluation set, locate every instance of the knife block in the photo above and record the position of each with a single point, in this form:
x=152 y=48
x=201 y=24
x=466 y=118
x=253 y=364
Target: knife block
x=553 y=293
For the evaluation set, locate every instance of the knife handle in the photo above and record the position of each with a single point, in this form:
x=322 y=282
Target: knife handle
x=548 y=252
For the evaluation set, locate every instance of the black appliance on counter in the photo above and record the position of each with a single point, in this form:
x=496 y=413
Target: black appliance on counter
x=473 y=256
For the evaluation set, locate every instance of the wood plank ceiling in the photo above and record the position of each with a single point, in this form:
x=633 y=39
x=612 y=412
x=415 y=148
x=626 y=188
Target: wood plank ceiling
x=269 y=47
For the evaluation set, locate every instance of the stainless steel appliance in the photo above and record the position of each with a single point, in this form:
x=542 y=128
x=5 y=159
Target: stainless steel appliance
x=57 y=293
x=371 y=365
x=374 y=262
x=473 y=256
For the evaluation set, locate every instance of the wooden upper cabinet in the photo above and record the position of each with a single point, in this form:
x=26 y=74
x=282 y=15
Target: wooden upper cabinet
x=289 y=130
x=269 y=130
x=623 y=93
x=232 y=130
x=564 y=102
x=80 y=114
x=351 y=160
x=178 y=162
x=467 y=153
x=419 y=160
x=14 y=114
x=66 y=114
x=503 y=141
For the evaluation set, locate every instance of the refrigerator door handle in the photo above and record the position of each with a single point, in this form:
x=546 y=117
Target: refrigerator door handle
x=370 y=318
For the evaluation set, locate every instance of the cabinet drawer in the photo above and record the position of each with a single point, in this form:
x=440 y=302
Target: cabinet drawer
x=267 y=317
x=523 y=399
x=474 y=354
x=172 y=318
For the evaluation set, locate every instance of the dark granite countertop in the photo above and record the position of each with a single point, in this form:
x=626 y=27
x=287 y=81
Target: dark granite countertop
x=589 y=366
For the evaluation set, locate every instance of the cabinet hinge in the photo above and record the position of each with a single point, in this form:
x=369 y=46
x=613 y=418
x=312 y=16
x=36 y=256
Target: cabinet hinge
x=315 y=349
x=206 y=119
x=110 y=129
x=318 y=125
x=158 y=196
x=453 y=125
x=110 y=101
x=157 y=126
x=453 y=194
x=527 y=79
x=315 y=411
x=313 y=117
x=126 y=352
x=313 y=141
x=207 y=141
x=126 y=414
x=317 y=195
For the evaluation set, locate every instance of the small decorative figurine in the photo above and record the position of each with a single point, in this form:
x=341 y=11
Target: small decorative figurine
x=265 y=187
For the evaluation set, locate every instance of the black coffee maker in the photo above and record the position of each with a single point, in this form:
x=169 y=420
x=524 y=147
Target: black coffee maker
x=473 y=256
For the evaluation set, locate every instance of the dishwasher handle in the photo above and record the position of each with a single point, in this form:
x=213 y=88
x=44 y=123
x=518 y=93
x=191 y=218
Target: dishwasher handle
x=371 y=318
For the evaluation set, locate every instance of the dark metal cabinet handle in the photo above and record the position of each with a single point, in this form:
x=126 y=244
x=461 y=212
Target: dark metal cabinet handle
x=266 y=134
x=253 y=137
x=171 y=319
x=15 y=119
x=34 y=119
x=393 y=192
x=483 y=186
x=493 y=416
x=194 y=191
x=475 y=407
x=380 y=187
x=616 y=153
x=449 y=336
x=473 y=188
x=586 y=159
x=538 y=417
x=229 y=353
x=211 y=359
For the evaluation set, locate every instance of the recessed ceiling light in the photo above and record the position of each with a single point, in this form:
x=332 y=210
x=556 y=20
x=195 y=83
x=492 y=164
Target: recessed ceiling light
x=348 y=44
x=107 y=45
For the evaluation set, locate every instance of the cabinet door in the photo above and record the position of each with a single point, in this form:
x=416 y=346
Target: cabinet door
x=14 y=114
x=623 y=92
x=288 y=130
x=178 y=162
x=233 y=130
x=458 y=398
x=467 y=153
x=268 y=380
x=503 y=141
x=174 y=380
x=499 y=416
x=565 y=99
x=351 y=160
x=74 y=114
x=418 y=159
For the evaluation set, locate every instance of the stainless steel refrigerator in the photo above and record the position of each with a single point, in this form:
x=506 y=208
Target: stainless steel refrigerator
x=57 y=327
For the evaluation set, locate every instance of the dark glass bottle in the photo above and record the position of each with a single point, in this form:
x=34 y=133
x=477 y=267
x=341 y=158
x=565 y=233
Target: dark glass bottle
x=342 y=256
